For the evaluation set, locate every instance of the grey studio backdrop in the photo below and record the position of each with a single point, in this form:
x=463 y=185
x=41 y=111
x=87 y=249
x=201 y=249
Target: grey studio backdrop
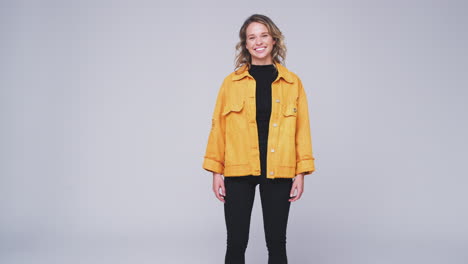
x=106 y=108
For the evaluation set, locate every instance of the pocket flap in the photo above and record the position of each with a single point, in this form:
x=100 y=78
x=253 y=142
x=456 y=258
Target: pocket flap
x=290 y=110
x=233 y=107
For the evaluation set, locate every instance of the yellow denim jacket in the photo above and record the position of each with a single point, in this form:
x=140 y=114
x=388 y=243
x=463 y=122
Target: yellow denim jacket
x=232 y=148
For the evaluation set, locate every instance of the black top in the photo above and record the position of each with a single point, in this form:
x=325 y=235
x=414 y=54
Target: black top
x=264 y=75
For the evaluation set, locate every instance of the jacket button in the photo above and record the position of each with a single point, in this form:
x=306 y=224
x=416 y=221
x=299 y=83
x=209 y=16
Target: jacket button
x=271 y=173
x=275 y=125
x=277 y=100
x=272 y=150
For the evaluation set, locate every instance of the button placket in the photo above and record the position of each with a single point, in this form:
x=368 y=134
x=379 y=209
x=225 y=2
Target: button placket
x=275 y=111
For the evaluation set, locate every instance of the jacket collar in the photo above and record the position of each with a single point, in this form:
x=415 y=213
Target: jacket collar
x=283 y=72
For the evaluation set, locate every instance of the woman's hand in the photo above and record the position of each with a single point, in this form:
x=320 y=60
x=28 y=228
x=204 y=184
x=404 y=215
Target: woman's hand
x=298 y=184
x=218 y=182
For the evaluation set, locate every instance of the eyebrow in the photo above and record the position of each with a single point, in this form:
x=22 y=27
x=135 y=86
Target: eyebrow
x=260 y=34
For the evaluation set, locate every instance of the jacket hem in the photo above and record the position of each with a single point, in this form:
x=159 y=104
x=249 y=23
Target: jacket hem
x=245 y=170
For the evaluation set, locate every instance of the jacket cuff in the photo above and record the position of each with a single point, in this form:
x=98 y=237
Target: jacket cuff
x=305 y=166
x=213 y=166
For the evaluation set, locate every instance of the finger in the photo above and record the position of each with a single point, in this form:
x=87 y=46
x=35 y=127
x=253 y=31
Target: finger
x=223 y=189
x=220 y=197
x=292 y=196
x=216 y=192
x=291 y=193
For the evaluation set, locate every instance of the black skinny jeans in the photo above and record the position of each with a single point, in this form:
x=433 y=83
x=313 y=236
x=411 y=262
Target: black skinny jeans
x=239 y=199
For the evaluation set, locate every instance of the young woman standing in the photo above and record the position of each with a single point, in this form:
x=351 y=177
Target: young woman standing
x=260 y=135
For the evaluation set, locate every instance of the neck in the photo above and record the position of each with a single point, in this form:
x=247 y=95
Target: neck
x=264 y=61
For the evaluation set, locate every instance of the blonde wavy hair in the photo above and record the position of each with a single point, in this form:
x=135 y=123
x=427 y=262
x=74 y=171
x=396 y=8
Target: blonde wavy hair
x=278 y=53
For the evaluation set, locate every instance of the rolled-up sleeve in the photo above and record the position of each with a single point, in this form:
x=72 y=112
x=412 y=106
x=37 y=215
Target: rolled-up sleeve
x=214 y=155
x=304 y=157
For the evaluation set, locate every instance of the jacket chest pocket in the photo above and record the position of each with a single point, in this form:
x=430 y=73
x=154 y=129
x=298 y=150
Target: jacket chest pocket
x=289 y=118
x=235 y=116
x=236 y=107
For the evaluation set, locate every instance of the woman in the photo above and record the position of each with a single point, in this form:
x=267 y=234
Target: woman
x=260 y=135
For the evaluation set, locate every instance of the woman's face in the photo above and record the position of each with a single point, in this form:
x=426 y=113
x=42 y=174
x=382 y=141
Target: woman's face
x=259 y=43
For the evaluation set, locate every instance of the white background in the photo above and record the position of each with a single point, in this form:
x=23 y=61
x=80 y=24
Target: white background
x=105 y=110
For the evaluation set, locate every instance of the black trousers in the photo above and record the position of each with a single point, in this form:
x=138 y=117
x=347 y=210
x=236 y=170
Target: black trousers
x=239 y=199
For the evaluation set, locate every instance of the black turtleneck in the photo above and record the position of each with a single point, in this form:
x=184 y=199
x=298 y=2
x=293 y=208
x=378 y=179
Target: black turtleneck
x=264 y=75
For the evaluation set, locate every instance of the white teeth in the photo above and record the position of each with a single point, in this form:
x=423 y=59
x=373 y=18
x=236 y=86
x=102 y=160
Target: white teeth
x=260 y=49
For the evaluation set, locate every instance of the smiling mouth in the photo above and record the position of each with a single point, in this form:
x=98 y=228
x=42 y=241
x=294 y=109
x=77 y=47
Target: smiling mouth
x=260 y=49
